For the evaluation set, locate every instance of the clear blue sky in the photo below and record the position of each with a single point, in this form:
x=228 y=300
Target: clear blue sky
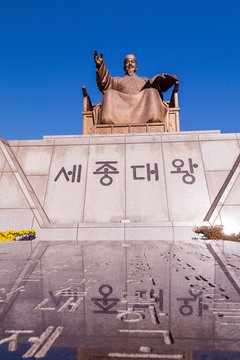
x=46 y=55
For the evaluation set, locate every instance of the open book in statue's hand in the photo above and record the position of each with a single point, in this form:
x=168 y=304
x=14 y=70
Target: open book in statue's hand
x=161 y=82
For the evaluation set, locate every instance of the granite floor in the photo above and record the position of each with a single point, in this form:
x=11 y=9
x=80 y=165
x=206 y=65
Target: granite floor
x=120 y=300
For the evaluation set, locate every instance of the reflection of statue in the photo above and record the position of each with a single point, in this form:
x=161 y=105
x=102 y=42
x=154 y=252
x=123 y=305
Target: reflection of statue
x=132 y=99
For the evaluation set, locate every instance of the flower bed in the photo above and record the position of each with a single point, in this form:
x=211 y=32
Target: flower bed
x=14 y=235
x=216 y=233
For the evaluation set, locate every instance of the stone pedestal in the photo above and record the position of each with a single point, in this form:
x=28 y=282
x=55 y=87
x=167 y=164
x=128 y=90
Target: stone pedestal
x=89 y=128
x=81 y=187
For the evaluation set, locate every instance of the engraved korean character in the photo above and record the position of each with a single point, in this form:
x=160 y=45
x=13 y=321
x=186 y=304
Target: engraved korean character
x=50 y=335
x=186 y=309
x=13 y=339
x=105 y=303
x=75 y=174
x=105 y=169
x=188 y=178
x=149 y=172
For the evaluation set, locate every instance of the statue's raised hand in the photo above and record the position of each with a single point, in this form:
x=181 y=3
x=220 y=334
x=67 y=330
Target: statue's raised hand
x=98 y=60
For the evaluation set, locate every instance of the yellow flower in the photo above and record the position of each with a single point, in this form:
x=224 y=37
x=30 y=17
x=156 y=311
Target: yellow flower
x=11 y=234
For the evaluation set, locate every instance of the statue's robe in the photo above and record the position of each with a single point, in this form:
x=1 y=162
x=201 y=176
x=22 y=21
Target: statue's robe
x=126 y=102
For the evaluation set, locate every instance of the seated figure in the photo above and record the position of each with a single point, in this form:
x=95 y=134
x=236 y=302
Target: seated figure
x=131 y=99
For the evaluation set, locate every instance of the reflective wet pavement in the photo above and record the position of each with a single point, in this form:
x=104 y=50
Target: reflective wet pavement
x=114 y=300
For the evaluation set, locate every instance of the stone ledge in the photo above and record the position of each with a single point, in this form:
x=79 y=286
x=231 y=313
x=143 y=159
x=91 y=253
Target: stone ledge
x=132 y=134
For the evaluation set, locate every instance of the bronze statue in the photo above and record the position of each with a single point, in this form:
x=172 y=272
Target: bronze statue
x=131 y=99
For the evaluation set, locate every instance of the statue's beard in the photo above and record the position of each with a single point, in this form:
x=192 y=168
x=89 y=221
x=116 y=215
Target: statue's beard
x=131 y=71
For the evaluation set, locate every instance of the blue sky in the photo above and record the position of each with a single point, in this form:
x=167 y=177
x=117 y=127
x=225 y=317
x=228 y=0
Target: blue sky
x=46 y=55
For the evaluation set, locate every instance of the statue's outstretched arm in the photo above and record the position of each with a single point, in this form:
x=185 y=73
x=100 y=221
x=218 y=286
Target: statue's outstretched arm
x=104 y=80
x=98 y=60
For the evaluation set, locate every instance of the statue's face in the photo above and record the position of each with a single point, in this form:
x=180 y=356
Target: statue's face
x=130 y=65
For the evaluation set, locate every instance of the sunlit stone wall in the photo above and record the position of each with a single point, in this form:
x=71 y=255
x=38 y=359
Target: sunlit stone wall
x=97 y=181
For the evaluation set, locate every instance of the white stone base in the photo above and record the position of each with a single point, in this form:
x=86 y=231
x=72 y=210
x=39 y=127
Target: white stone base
x=163 y=183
